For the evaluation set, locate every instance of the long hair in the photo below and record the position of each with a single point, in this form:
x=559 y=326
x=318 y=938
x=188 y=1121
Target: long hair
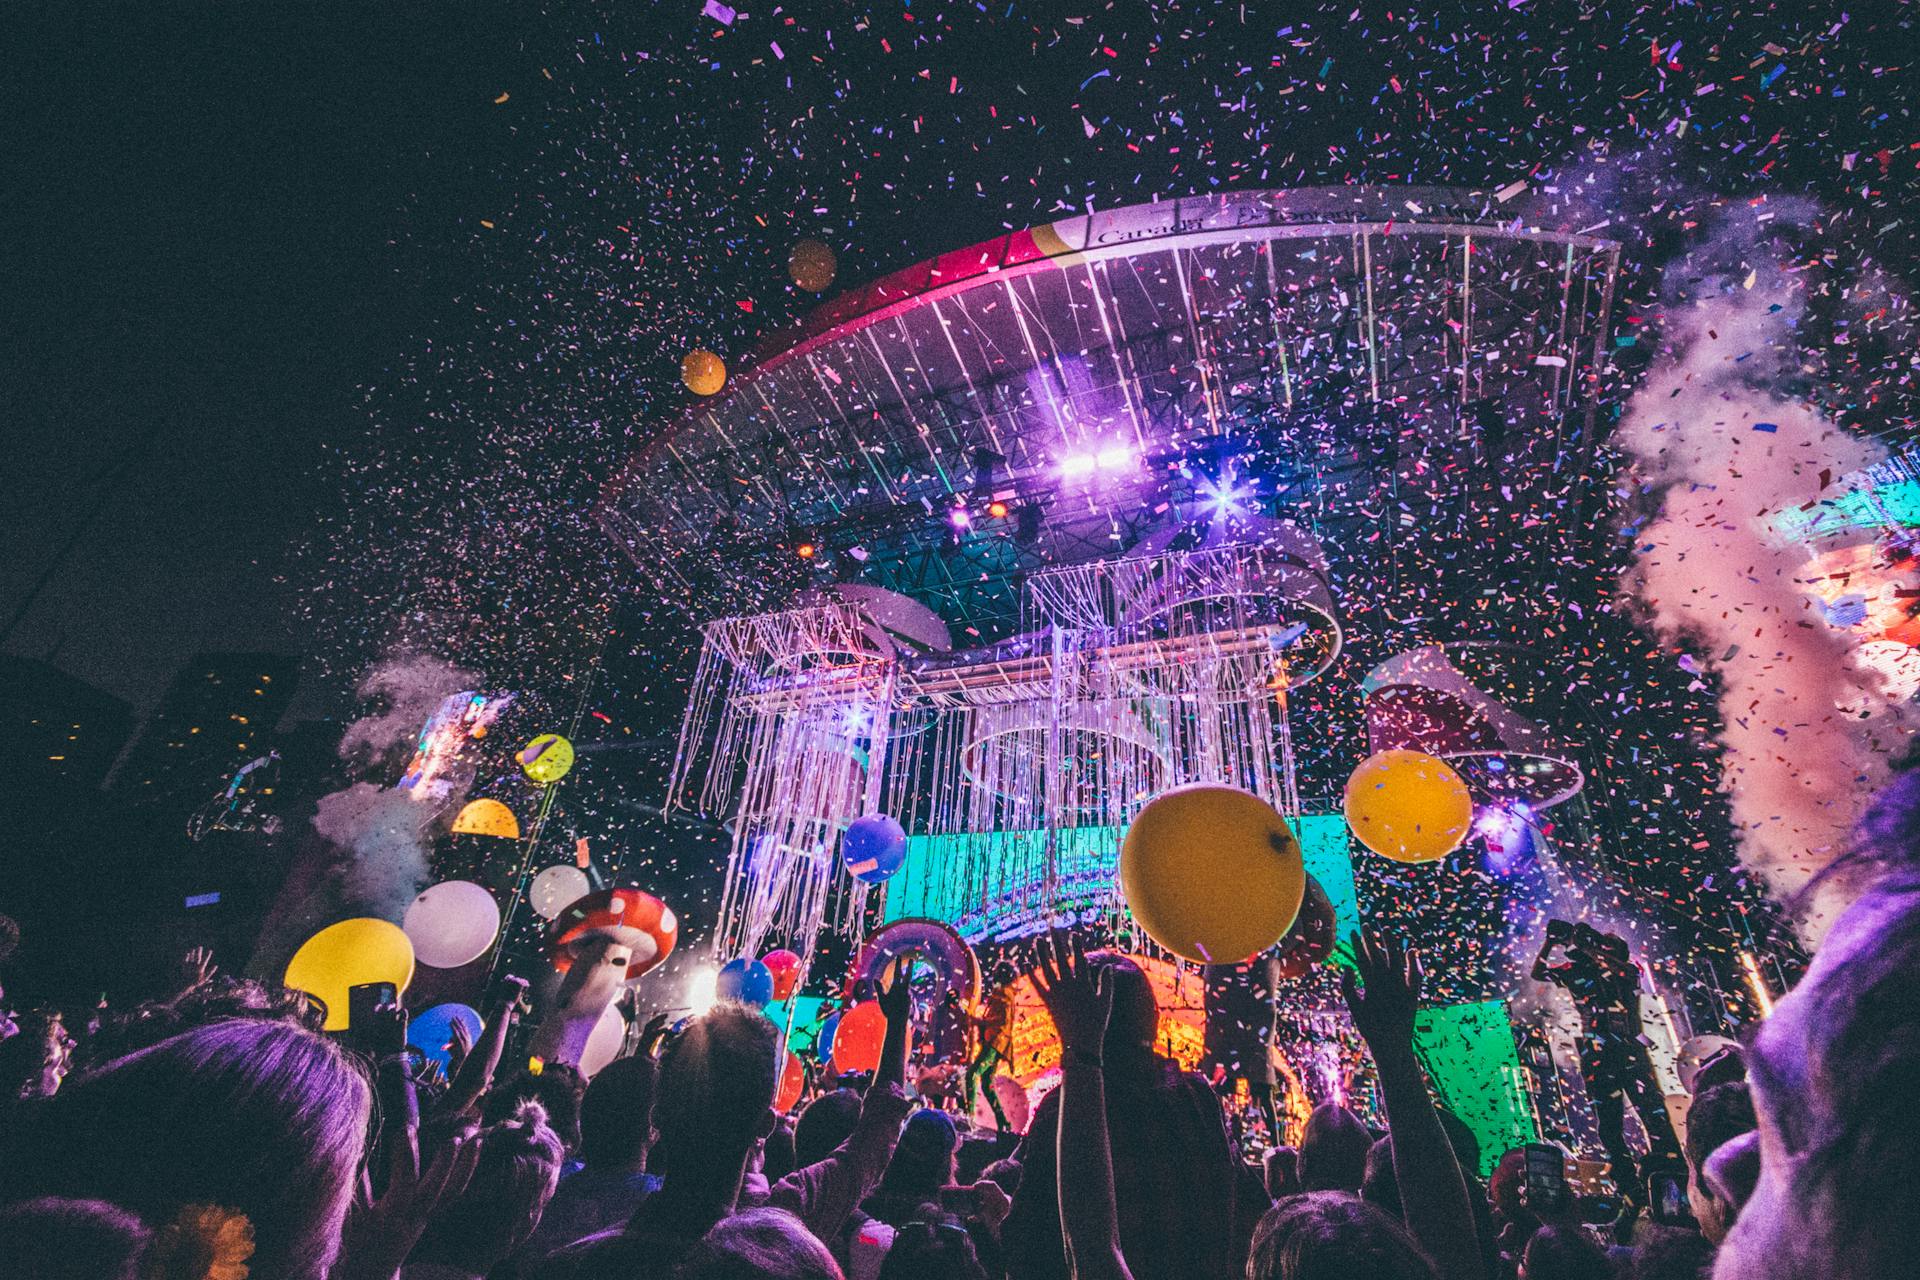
x=262 y=1118
x=500 y=1208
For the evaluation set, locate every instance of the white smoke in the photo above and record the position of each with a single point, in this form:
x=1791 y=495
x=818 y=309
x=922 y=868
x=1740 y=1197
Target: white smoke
x=1713 y=432
x=380 y=833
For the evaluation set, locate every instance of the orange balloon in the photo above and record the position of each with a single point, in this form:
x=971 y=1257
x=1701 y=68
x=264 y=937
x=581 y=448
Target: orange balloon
x=857 y=1042
x=793 y=1082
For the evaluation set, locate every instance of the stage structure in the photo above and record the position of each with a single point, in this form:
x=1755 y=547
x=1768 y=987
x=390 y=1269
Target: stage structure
x=1009 y=541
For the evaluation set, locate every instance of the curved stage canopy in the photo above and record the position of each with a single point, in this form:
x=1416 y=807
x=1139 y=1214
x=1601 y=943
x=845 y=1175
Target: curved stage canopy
x=1394 y=368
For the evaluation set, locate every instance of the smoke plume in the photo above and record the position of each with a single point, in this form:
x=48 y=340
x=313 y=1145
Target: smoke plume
x=1715 y=436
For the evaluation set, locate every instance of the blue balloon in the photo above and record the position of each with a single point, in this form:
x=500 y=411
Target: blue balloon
x=823 y=1043
x=747 y=981
x=874 y=847
x=430 y=1030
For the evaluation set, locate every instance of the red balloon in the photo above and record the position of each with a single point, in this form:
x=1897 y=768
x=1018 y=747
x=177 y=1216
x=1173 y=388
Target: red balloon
x=793 y=1082
x=856 y=1045
x=1310 y=940
x=785 y=967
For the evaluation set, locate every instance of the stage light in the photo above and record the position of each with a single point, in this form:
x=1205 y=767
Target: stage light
x=960 y=518
x=1225 y=497
x=703 y=988
x=1118 y=458
x=1077 y=465
x=806 y=551
x=998 y=510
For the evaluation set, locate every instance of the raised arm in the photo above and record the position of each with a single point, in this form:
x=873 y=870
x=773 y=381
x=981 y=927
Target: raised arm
x=1433 y=1195
x=1558 y=931
x=477 y=1068
x=896 y=1002
x=1079 y=999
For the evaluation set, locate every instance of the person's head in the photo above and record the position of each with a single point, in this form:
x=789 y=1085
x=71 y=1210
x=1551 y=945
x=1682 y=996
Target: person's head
x=558 y=1089
x=1715 y=1118
x=1333 y=1151
x=714 y=1096
x=256 y=1117
x=54 y=1239
x=1328 y=1235
x=933 y=1247
x=497 y=1212
x=1506 y=1191
x=616 y=1115
x=1281 y=1169
x=760 y=1244
x=923 y=1159
x=1378 y=1187
x=1563 y=1253
x=1135 y=1022
x=1004 y=1174
x=827 y=1122
x=1669 y=1253
x=1833 y=1072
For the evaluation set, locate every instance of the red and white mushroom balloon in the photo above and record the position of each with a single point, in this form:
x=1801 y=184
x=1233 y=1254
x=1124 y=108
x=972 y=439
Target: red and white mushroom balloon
x=638 y=921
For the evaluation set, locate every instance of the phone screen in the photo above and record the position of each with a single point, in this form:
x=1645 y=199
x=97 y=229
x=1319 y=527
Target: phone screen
x=1546 y=1181
x=1667 y=1200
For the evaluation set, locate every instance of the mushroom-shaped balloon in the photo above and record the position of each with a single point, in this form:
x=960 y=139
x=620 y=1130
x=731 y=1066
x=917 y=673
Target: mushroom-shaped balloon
x=638 y=921
x=487 y=818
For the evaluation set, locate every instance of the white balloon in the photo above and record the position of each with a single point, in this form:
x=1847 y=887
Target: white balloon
x=452 y=923
x=556 y=889
x=604 y=1042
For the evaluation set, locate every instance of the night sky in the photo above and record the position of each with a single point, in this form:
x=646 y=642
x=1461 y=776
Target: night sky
x=350 y=308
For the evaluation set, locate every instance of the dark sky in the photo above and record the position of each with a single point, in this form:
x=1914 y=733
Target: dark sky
x=250 y=286
x=202 y=265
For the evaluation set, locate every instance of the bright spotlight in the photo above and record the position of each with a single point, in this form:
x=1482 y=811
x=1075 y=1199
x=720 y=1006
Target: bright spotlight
x=1077 y=465
x=1117 y=458
x=960 y=518
x=703 y=988
x=1225 y=498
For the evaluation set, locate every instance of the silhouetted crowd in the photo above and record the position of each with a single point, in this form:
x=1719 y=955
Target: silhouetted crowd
x=220 y=1135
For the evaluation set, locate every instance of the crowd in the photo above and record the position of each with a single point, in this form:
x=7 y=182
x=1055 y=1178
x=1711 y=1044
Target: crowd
x=220 y=1135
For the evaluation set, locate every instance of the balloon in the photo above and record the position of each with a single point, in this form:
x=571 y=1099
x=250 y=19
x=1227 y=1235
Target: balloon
x=784 y=965
x=748 y=981
x=487 y=818
x=604 y=1042
x=703 y=372
x=823 y=1043
x=638 y=921
x=556 y=889
x=793 y=1082
x=547 y=758
x=857 y=1041
x=431 y=1030
x=350 y=954
x=452 y=923
x=874 y=847
x=1311 y=939
x=1212 y=873
x=812 y=266
x=1408 y=806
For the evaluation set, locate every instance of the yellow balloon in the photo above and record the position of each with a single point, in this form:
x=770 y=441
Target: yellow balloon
x=1408 y=806
x=703 y=372
x=812 y=266
x=349 y=954
x=547 y=758
x=1212 y=873
x=487 y=818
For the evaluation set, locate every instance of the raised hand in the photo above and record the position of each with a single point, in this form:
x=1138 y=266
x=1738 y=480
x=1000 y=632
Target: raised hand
x=381 y=1235
x=459 y=1045
x=1387 y=994
x=1078 y=995
x=197 y=968
x=895 y=993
